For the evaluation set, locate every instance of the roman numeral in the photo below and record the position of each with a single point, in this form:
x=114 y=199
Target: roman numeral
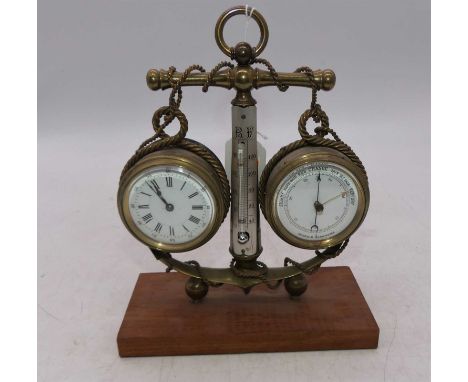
x=183 y=186
x=153 y=185
x=143 y=206
x=185 y=228
x=197 y=207
x=158 y=227
x=147 y=218
x=171 y=230
x=168 y=181
x=194 y=219
x=193 y=195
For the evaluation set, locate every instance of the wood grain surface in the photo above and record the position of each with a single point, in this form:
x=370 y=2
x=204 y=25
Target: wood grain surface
x=161 y=320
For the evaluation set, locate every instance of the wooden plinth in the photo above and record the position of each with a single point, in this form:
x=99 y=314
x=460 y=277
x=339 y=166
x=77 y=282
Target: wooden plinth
x=161 y=320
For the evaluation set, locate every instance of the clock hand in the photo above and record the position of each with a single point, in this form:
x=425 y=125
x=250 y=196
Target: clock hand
x=342 y=194
x=318 y=185
x=318 y=206
x=169 y=206
x=163 y=200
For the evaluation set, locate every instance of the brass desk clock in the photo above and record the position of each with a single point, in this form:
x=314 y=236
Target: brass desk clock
x=174 y=192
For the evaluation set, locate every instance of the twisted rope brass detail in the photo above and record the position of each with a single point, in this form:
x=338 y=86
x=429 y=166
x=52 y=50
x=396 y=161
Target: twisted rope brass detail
x=161 y=139
x=281 y=87
x=216 y=69
x=319 y=116
x=325 y=255
x=199 y=271
x=260 y=272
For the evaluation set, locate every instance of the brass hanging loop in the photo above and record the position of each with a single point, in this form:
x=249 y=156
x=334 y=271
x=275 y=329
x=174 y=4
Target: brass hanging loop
x=169 y=112
x=174 y=103
x=318 y=116
x=241 y=10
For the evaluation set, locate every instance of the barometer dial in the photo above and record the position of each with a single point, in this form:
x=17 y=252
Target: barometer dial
x=171 y=201
x=316 y=198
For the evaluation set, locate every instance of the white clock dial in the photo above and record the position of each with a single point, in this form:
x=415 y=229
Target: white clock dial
x=317 y=201
x=171 y=205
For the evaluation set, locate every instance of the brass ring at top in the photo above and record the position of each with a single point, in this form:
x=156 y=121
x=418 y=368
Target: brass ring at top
x=241 y=10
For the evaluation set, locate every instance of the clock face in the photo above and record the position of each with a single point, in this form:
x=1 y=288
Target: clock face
x=317 y=201
x=170 y=205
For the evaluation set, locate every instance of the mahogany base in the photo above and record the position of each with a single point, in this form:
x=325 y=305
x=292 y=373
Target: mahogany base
x=161 y=320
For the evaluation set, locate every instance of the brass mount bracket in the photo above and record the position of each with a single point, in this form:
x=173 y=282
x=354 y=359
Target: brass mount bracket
x=243 y=78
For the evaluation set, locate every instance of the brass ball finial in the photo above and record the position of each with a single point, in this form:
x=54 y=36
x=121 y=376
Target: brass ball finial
x=153 y=79
x=328 y=79
x=243 y=53
x=196 y=288
x=296 y=285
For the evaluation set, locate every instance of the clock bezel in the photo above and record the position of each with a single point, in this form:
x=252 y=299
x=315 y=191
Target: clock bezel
x=308 y=155
x=188 y=161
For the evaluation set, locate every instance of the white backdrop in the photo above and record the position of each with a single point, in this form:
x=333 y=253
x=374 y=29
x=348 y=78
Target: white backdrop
x=95 y=109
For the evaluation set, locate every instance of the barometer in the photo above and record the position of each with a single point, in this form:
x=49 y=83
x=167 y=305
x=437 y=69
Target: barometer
x=315 y=197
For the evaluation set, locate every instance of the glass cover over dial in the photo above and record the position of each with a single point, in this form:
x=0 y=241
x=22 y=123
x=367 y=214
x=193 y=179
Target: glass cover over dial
x=317 y=201
x=171 y=205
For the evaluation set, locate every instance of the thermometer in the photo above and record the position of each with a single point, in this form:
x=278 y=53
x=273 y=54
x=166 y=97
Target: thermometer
x=245 y=230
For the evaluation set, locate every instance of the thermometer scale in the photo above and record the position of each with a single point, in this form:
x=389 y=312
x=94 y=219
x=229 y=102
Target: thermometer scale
x=245 y=230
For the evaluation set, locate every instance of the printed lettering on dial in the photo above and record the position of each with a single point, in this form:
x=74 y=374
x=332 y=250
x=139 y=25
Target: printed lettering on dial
x=170 y=205
x=317 y=201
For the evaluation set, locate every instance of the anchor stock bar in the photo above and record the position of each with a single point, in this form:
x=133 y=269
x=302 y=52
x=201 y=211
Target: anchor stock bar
x=243 y=78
